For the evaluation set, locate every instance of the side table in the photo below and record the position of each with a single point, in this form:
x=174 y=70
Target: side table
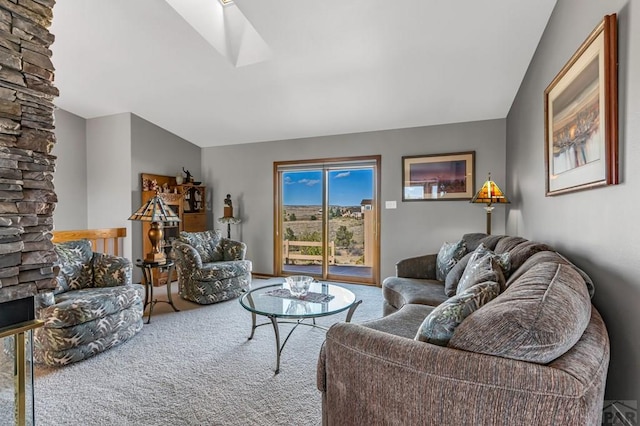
x=147 y=268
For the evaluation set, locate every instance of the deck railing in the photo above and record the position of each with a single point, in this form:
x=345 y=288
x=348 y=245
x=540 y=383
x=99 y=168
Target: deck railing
x=297 y=255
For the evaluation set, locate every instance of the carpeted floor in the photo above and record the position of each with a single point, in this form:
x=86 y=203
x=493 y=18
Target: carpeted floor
x=195 y=367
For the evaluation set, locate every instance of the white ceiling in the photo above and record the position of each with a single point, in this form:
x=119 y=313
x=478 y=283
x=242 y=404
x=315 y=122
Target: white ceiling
x=336 y=67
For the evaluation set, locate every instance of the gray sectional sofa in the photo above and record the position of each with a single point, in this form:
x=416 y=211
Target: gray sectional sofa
x=536 y=353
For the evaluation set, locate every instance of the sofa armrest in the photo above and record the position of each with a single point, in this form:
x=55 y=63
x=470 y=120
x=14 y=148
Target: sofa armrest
x=369 y=376
x=233 y=250
x=185 y=256
x=44 y=300
x=111 y=271
x=418 y=267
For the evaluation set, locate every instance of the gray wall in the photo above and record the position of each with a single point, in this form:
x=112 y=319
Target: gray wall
x=414 y=228
x=156 y=151
x=99 y=166
x=108 y=177
x=71 y=171
x=597 y=229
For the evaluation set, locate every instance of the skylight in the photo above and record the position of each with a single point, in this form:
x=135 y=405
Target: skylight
x=225 y=27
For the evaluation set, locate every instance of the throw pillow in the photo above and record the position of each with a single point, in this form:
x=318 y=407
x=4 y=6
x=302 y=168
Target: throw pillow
x=483 y=266
x=74 y=259
x=448 y=256
x=537 y=318
x=438 y=327
x=455 y=274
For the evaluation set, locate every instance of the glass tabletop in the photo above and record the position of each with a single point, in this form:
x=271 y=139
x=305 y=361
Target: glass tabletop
x=274 y=300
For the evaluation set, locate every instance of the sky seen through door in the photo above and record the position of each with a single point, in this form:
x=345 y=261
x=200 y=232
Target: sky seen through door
x=348 y=187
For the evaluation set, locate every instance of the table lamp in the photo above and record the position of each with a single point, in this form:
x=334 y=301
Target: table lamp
x=489 y=194
x=156 y=212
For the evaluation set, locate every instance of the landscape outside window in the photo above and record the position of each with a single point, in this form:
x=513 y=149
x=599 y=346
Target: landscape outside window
x=349 y=195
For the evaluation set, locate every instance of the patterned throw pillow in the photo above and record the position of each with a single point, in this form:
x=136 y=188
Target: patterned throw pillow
x=74 y=259
x=481 y=269
x=448 y=256
x=439 y=325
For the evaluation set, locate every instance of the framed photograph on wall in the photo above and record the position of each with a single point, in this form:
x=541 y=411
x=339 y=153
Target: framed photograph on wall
x=581 y=116
x=438 y=177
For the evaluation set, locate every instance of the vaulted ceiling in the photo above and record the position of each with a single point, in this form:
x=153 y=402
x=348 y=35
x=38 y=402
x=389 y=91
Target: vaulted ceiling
x=331 y=67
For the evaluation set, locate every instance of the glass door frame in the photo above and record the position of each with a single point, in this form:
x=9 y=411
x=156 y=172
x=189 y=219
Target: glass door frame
x=323 y=164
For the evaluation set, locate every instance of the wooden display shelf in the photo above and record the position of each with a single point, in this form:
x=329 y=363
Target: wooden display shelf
x=188 y=201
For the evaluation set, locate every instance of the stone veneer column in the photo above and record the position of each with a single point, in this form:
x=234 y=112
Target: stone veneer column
x=27 y=195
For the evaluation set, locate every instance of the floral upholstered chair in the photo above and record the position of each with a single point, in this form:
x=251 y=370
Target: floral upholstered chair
x=210 y=268
x=93 y=308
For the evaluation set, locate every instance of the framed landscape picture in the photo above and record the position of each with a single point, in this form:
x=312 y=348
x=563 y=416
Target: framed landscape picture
x=581 y=116
x=438 y=177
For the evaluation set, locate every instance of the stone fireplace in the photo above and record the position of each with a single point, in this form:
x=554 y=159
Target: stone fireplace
x=27 y=194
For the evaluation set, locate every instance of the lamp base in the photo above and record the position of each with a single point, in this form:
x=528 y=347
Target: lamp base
x=155 y=257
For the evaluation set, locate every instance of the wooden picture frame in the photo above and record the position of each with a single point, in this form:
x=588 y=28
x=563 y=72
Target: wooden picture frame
x=438 y=177
x=581 y=116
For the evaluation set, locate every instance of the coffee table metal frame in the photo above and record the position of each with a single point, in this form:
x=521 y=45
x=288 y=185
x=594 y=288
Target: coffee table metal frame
x=247 y=302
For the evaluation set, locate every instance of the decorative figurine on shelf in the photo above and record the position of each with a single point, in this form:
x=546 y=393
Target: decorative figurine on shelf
x=189 y=178
x=228 y=207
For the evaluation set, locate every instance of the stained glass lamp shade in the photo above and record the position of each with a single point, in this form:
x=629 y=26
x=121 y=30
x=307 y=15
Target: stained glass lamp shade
x=489 y=194
x=156 y=212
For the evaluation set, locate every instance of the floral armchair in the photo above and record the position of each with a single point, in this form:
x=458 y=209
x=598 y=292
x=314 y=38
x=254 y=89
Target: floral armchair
x=210 y=268
x=93 y=308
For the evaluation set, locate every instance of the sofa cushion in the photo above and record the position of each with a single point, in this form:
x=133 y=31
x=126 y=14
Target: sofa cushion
x=66 y=338
x=490 y=241
x=507 y=243
x=536 y=319
x=121 y=332
x=448 y=256
x=401 y=291
x=206 y=243
x=520 y=253
x=440 y=324
x=404 y=323
x=80 y=306
x=472 y=240
x=111 y=271
x=222 y=270
x=74 y=259
x=481 y=268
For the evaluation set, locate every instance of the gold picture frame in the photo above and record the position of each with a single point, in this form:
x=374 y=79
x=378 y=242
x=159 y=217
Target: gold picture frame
x=438 y=177
x=581 y=116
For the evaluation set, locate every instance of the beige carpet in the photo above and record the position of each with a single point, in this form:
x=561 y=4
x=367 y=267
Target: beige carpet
x=195 y=367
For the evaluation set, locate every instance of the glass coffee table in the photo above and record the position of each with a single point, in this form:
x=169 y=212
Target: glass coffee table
x=276 y=303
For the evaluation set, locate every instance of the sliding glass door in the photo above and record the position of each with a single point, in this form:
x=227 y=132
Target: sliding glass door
x=326 y=219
